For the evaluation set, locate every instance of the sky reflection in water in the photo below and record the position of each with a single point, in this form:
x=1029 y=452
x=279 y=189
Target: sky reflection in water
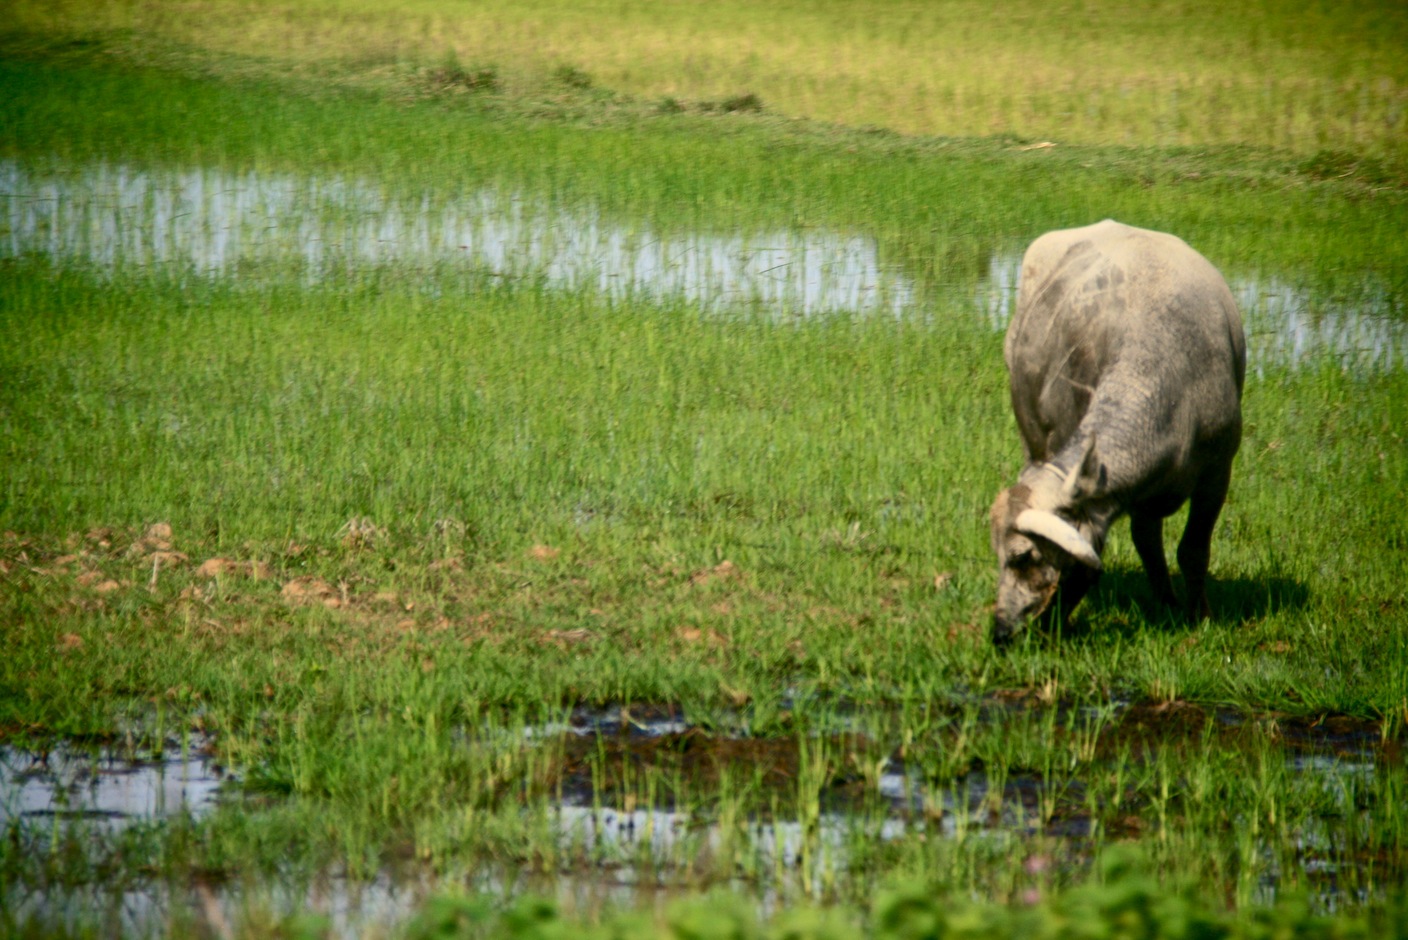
x=219 y=223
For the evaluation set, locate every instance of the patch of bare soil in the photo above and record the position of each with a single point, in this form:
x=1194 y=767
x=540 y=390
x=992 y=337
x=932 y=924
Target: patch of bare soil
x=230 y=567
x=314 y=590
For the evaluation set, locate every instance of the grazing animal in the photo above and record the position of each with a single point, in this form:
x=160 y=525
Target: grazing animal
x=1126 y=359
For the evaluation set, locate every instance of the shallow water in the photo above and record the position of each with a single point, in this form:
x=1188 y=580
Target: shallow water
x=1326 y=757
x=102 y=786
x=213 y=222
x=352 y=908
x=1285 y=325
x=218 y=223
x=611 y=852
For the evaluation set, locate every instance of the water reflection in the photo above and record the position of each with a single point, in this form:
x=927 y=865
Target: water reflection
x=352 y=908
x=605 y=854
x=216 y=222
x=102 y=787
x=1285 y=325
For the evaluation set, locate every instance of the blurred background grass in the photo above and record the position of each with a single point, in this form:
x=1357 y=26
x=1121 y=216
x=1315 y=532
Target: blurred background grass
x=1297 y=75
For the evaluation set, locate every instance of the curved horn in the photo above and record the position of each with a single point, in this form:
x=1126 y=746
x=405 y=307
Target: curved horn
x=1050 y=526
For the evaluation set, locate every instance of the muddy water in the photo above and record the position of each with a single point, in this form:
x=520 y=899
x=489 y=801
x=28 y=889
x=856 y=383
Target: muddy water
x=218 y=223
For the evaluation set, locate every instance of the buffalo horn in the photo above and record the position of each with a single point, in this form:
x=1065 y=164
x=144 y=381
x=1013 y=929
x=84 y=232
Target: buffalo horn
x=1052 y=527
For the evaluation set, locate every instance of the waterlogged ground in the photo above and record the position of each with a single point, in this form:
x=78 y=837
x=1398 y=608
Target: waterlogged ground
x=636 y=808
x=213 y=223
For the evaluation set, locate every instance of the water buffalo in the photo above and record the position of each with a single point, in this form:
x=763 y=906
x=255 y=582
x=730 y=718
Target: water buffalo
x=1126 y=358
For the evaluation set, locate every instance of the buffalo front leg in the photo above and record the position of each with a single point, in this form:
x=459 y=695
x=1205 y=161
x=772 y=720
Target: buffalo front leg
x=1075 y=584
x=1147 y=528
x=1195 y=548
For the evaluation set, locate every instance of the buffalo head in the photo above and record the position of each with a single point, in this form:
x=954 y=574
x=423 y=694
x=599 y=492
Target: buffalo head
x=1046 y=563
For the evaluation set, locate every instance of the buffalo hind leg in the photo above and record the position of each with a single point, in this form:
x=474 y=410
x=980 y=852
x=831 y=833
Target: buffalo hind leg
x=1147 y=528
x=1195 y=548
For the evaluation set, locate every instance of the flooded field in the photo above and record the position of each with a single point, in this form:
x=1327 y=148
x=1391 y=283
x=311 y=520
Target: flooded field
x=213 y=223
x=644 y=797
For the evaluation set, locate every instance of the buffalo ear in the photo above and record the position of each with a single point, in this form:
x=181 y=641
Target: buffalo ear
x=1086 y=479
x=997 y=518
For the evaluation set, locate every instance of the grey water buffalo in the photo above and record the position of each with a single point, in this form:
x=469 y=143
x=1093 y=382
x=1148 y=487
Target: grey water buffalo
x=1126 y=358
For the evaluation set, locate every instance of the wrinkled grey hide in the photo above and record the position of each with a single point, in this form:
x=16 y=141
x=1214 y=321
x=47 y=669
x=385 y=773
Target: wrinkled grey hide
x=1125 y=358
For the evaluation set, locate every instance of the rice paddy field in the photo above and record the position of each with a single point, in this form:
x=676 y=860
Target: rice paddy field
x=508 y=470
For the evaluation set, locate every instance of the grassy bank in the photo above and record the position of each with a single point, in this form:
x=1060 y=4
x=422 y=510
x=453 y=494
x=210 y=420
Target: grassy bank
x=375 y=530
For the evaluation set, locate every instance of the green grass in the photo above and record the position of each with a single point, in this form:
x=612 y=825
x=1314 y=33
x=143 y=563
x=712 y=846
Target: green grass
x=645 y=445
x=1300 y=76
x=475 y=502
x=938 y=208
x=838 y=462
